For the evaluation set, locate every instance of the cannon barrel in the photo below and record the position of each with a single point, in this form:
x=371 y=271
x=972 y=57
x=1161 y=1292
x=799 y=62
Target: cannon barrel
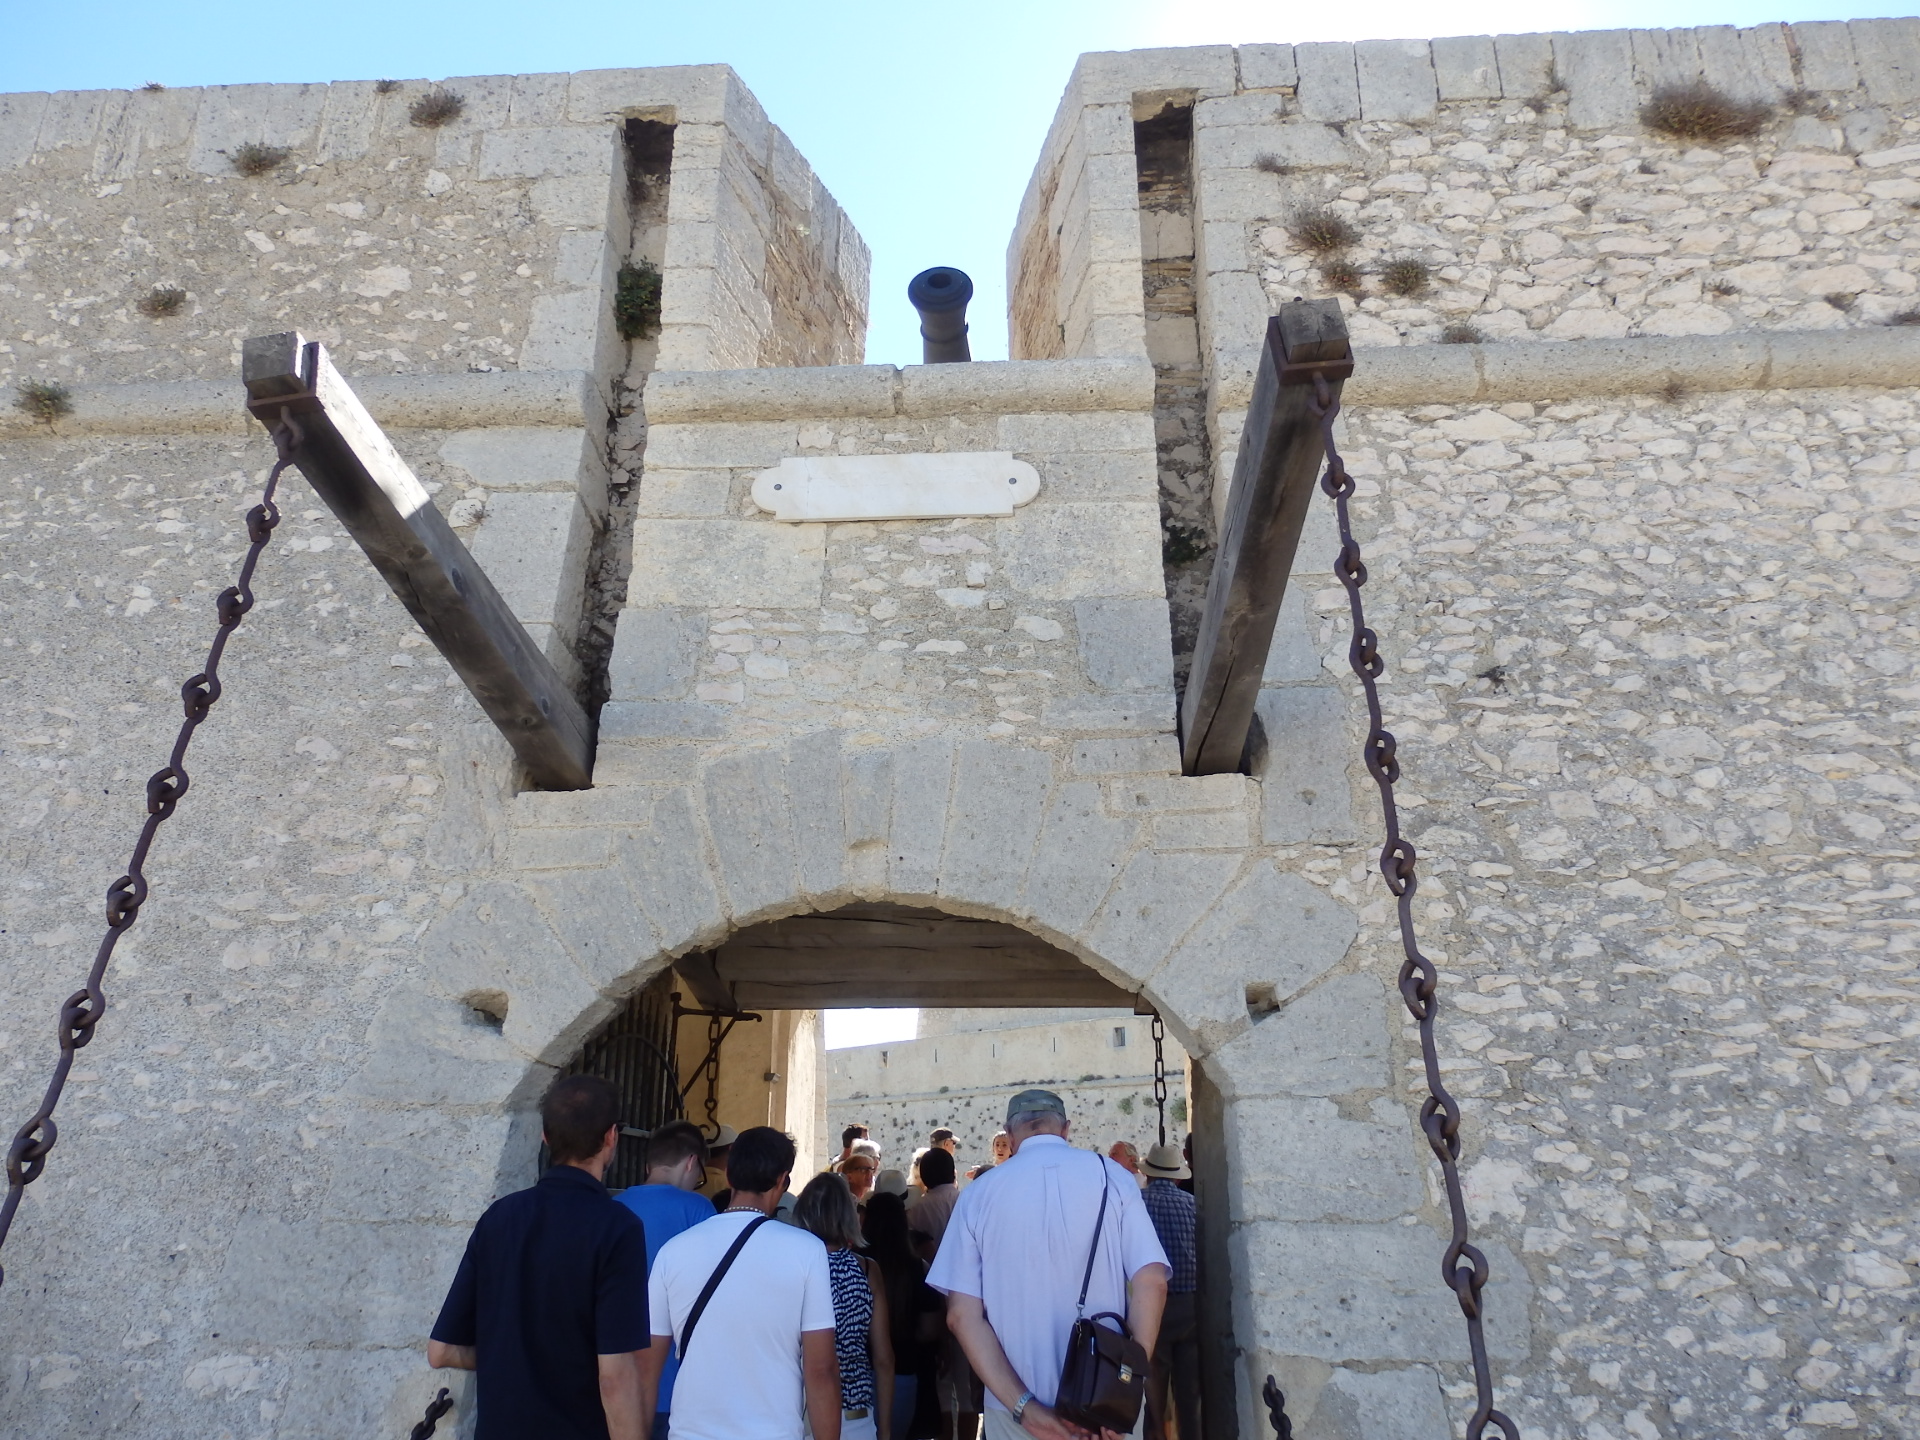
x=941 y=295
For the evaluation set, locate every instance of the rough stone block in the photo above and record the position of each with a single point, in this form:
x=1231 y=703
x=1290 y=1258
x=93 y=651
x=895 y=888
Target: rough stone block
x=1305 y=793
x=999 y=798
x=1396 y=80
x=1305 y=1279
x=1150 y=714
x=1596 y=66
x=1330 y=1041
x=533 y=547
x=1267 y=67
x=1217 y=830
x=20 y=117
x=603 y=927
x=627 y=721
x=693 y=92
x=1526 y=65
x=1271 y=936
x=523 y=457
x=234 y=115
x=1465 y=68
x=752 y=829
x=1337 y=1169
x=1125 y=645
x=738 y=445
x=1826 y=56
x=1159 y=755
x=1154 y=794
x=429 y=1049
x=1383 y=1404
x=420 y=1163
x=537 y=100
x=1665 y=57
x=497 y=941
x=1077 y=859
x=1293 y=656
x=548 y=150
x=666 y=864
x=563 y=332
x=1083 y=551
x=922 y=780
x=1028 y=435
x=867 y=797
x=814 y=788
x=1100 y=475
x=558 y=849
x=583 y=200
x=757 y=563
x=1749 y=64
x=1119 y=74
x=655 y=653
x=583 y=259
x=1329 y=83
x=384 y=1282
x=1887 y=53
x=1157 y=899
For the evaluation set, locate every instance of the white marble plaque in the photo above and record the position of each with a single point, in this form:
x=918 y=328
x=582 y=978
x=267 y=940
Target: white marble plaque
x=895 y=487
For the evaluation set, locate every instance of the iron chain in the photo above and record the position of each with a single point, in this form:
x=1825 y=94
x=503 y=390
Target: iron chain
x=436 y=1407
x=1464 y=1267
x=1160 y=1074
x=84 y=1009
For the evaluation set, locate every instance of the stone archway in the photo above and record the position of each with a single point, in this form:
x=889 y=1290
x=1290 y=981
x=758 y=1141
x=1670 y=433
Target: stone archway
x=1318 y=1181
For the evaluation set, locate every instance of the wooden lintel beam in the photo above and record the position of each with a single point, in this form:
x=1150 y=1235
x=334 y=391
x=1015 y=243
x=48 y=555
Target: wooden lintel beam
x=704 y=982
x=1273 y=479
x=354 y=468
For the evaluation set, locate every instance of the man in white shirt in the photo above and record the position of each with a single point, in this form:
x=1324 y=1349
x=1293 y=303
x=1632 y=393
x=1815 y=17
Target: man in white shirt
x=760 y=1364
x=1013 y=1256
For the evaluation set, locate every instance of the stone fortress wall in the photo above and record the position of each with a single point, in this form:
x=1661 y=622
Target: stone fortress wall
x=1099 y=1061
x=1651 y=651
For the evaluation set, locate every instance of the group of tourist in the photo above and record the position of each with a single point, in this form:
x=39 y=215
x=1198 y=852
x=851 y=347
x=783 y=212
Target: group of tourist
x=665 y=1313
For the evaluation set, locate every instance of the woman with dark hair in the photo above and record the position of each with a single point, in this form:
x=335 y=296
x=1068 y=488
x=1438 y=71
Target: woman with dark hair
x=913 y=1308
x=862 y=1338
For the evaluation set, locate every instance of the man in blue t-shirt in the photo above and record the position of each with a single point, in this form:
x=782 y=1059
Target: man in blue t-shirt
x=667 y=1204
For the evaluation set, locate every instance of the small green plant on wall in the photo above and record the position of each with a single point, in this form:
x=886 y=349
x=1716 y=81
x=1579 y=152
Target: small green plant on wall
x=636 y=300
x=45 y=400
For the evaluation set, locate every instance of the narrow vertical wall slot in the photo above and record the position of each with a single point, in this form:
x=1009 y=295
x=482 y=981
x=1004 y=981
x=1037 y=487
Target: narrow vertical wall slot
x=1163 y=160
x=647 y=149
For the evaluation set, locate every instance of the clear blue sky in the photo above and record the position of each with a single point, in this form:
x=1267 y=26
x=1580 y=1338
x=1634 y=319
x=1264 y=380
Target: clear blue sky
x=923 y=120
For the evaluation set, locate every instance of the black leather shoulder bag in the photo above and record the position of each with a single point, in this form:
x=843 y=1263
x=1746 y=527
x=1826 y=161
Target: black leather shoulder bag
x=1104 y=1378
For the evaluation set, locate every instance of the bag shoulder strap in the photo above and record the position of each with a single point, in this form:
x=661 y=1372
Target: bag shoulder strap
x=713 y=1280
x=1094 y=1249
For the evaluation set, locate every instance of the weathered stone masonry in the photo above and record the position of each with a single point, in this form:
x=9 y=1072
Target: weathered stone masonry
x=1651 y=656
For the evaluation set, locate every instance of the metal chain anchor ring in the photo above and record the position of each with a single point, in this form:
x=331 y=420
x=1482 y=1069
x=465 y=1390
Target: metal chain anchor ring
x=86 y=1007
x=1464 y=1267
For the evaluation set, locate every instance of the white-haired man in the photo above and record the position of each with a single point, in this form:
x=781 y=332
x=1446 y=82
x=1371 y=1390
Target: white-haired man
x=1012 y=1260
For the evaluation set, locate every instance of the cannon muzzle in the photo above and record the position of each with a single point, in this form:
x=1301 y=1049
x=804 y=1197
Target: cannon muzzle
x=941 y=295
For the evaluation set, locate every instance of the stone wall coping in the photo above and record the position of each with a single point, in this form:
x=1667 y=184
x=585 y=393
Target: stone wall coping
x=1392 y=375
x=986 y=387
x=421 y=402
x=1543 y=370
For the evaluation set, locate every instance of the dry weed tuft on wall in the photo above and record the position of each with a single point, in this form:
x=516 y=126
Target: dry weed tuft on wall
x=1460 y=332
x=1406 y=276
x=1272 y=165
x=385 y=87
x=254 y=159
x=1342 y=275
x=1701 y=112
x=45 y=400
x=436 y=108
x=1319 y=231
x=162 y=301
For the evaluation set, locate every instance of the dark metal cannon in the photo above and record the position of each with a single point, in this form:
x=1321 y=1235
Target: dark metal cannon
x=941 y=295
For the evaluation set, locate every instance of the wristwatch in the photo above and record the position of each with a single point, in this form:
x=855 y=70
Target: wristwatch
x=1020 y=1406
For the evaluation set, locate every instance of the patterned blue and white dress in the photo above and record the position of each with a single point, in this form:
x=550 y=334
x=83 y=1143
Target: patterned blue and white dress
x=853 y=1329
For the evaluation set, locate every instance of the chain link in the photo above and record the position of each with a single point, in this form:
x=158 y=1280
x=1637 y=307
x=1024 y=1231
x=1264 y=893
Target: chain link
x=436 y=1407
x=1160 y=1074
x=710 y=1070
x=84 y=1009
x=1464 y=1267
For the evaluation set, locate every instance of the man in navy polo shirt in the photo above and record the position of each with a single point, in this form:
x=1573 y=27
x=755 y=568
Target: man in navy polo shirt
x=549 y=1305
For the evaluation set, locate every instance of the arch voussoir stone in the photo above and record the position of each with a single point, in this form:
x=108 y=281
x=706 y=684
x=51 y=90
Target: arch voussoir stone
x=1080 y=854
x=1273 y=932
x=1157 y=900
x=999 y=798
x=665 y=865
x=751 y=824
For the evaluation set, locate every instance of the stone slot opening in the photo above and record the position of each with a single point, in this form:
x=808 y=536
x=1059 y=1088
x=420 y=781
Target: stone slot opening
x=1000 y=1009
x=1163 y=163
x=646 y=149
